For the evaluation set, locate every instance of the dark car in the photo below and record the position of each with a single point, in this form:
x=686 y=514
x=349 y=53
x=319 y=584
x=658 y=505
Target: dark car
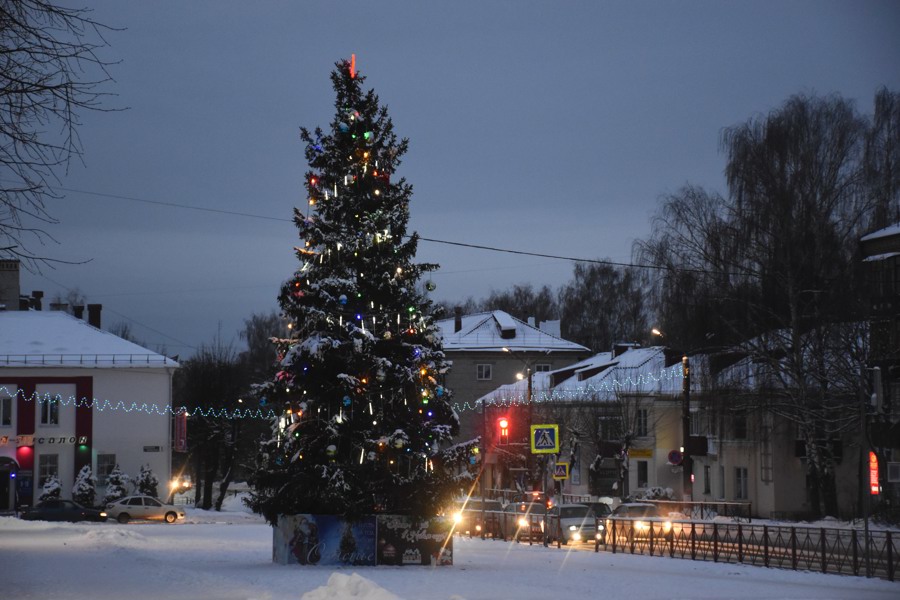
x=61 y=510
x=468 y=517
x=524 y=521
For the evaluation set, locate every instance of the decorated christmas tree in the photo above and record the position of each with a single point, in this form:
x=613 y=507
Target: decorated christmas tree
x=365 y=423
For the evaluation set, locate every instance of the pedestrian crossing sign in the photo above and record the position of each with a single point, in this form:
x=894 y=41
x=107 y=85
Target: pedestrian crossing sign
x=545 y=439
x=561 y=471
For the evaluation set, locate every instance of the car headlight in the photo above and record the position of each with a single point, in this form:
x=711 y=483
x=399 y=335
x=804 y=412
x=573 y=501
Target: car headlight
x=102 y=514
x=599 y=526
x=641 y=525
x=457 y=518
x=523 y=523
x=573 y=527
x=667 y=526
x=598 y=535
x=576 y=536
x=478 y=528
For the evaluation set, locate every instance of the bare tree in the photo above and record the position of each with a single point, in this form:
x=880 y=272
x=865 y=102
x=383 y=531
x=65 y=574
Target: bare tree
x=603 y=305
x=882 y=159
x=523 y=301
x=50 y=71
x=772 y=265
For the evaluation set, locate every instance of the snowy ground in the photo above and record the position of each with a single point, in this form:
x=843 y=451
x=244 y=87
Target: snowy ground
x=228 y=555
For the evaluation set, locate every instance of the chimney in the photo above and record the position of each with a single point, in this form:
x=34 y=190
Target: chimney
x=78 y=311
x=94 y=314
x=9 y=283
x=36 y=297
x=457 y=320
x=531 y=321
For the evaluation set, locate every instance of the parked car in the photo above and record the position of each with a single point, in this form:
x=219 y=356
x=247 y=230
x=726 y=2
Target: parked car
x=636 y=519
x=143 y=508
x=600 y=510
x=468 y=517
x=523 y=521
x=61 y=510
x=571 y=523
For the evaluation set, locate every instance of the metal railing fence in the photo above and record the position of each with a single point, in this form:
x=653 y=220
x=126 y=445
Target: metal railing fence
x=828 y=550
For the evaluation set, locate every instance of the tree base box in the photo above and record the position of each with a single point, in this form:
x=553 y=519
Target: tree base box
x=329 y=540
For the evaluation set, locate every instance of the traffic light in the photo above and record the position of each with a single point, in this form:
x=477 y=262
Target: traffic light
x=503 y=424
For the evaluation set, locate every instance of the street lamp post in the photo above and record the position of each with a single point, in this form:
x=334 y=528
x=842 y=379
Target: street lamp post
x=687 y=463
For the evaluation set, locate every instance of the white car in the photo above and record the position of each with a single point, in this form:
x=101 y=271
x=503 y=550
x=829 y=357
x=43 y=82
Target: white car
x=143 y=508
x=571 y=523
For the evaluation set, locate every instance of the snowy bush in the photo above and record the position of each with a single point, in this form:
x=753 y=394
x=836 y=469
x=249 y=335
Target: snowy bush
x=51 y=489
x=654 y=493
x=116 y=486
x=147 y=482
x=85 y=489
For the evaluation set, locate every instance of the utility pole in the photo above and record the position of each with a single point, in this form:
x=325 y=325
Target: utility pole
x=686 y=460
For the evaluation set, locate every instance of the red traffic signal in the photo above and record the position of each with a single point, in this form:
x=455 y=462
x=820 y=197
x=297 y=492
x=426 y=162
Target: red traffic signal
x=503 y=424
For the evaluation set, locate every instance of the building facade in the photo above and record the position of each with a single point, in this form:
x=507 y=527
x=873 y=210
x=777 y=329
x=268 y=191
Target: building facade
x=620 y=418
x=492 y=348
x=73 y=395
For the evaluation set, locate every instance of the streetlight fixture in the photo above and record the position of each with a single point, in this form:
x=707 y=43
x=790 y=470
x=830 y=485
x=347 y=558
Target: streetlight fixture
x=687 y=462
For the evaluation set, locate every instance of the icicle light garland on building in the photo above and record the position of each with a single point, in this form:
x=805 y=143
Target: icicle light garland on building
x=518 y=398
x=150 y=409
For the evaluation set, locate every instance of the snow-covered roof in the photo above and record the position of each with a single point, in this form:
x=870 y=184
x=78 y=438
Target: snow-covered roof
x=878 y=257
x=886 y=232
x=601 y=377
x=495 y=330
x=55 y=339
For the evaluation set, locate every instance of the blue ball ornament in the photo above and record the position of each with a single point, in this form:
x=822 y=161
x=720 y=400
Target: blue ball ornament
x=347 y=400
x=342 y=299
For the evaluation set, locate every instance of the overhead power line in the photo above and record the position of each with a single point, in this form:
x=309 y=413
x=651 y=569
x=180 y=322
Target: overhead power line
x=424 y=239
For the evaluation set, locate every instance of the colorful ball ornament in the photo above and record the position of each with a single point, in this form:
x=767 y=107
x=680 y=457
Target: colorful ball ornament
x=331 y=450
x=430 y=286
x=342 y=299
x=347 y=400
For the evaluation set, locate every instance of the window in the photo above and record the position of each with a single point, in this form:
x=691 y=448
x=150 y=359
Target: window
x=50 y=409
x=105 y=465
x=5 y=411
x=739 y=425
x=542 y=368
x=707 y=484
x=642 y=470
x=740 y=483
x=721 y=483
x=138 y=501
x=48 y=466
x=641 y=429
x=483 y=372
x=610 y=428
x=697 y=421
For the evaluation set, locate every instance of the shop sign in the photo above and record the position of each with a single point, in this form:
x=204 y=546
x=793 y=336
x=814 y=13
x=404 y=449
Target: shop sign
x=30 y=440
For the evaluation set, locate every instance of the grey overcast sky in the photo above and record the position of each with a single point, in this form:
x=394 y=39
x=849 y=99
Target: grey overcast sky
x=550 y=127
